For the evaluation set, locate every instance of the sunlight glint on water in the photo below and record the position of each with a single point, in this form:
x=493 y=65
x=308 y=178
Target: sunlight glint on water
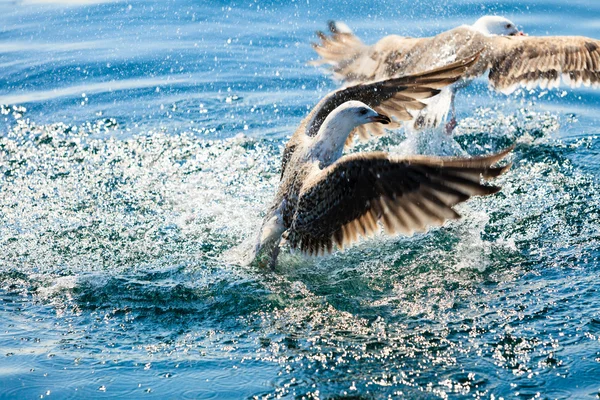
x=140 y=157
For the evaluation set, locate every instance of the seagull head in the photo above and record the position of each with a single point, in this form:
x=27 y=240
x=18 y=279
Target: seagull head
x=357 y=113
x=499 y=26
x=328 y=145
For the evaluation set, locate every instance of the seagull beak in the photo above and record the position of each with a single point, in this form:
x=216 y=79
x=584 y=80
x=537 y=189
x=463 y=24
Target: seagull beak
x=519 y=33
x=383 y=119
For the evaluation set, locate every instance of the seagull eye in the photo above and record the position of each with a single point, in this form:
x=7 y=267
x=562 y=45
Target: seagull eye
x=363 y=111
x=508 y=26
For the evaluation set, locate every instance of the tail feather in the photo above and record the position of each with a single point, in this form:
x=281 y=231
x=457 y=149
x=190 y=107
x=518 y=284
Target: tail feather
x=338 y=49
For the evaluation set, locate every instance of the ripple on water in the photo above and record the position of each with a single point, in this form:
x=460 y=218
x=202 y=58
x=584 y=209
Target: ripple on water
x=123 y=251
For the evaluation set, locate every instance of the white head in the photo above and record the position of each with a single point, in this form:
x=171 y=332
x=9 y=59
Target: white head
x=350 y=115
x=329 y=142
x=493 y=25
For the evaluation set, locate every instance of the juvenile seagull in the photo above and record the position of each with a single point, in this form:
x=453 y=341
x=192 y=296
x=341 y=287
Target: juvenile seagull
x=513 y=59
x=326 y=198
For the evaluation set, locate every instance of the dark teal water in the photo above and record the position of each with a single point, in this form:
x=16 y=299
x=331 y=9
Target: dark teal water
x=140 y=145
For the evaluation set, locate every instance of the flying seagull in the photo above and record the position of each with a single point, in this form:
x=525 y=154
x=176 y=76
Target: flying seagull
x=325 y=198
x=513 y=59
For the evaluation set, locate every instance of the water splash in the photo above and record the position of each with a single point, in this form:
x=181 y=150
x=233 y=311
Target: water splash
x=138 y=241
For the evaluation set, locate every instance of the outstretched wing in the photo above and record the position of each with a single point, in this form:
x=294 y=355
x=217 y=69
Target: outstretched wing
x=542 y=61
x=514 y=61
x=352 y=61
x=352 y=196
x=348 y=56
x=393 y=97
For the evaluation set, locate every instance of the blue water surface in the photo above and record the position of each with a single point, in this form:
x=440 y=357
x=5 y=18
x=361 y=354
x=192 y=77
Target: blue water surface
x=140 y=146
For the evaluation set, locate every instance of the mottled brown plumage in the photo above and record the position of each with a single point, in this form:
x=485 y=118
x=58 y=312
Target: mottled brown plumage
x=326 y=199
x=393 y=97
x=542 y=61
x=512 y=61
x=352 y=197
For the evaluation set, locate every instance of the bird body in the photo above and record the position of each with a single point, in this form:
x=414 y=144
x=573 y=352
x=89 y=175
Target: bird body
x=326 y=198
x=512 y=59
x=310 y=156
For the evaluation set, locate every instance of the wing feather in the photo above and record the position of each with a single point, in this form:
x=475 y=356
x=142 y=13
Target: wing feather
x=354 y=196
x=542 y=61
x=390 y=94
x=513 y=62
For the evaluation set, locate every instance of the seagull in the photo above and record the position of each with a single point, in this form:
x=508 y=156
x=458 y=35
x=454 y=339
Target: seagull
x=512 y=58
x=326 y=198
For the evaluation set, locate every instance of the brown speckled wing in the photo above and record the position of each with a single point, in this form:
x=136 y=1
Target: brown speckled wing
x=542 y=61
x=393 y=97
x=341 y=49
x=352 y=61
x=360 y=192
x=287 y=155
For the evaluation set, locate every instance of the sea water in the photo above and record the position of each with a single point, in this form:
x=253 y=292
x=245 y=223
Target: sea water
x=140 y=147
